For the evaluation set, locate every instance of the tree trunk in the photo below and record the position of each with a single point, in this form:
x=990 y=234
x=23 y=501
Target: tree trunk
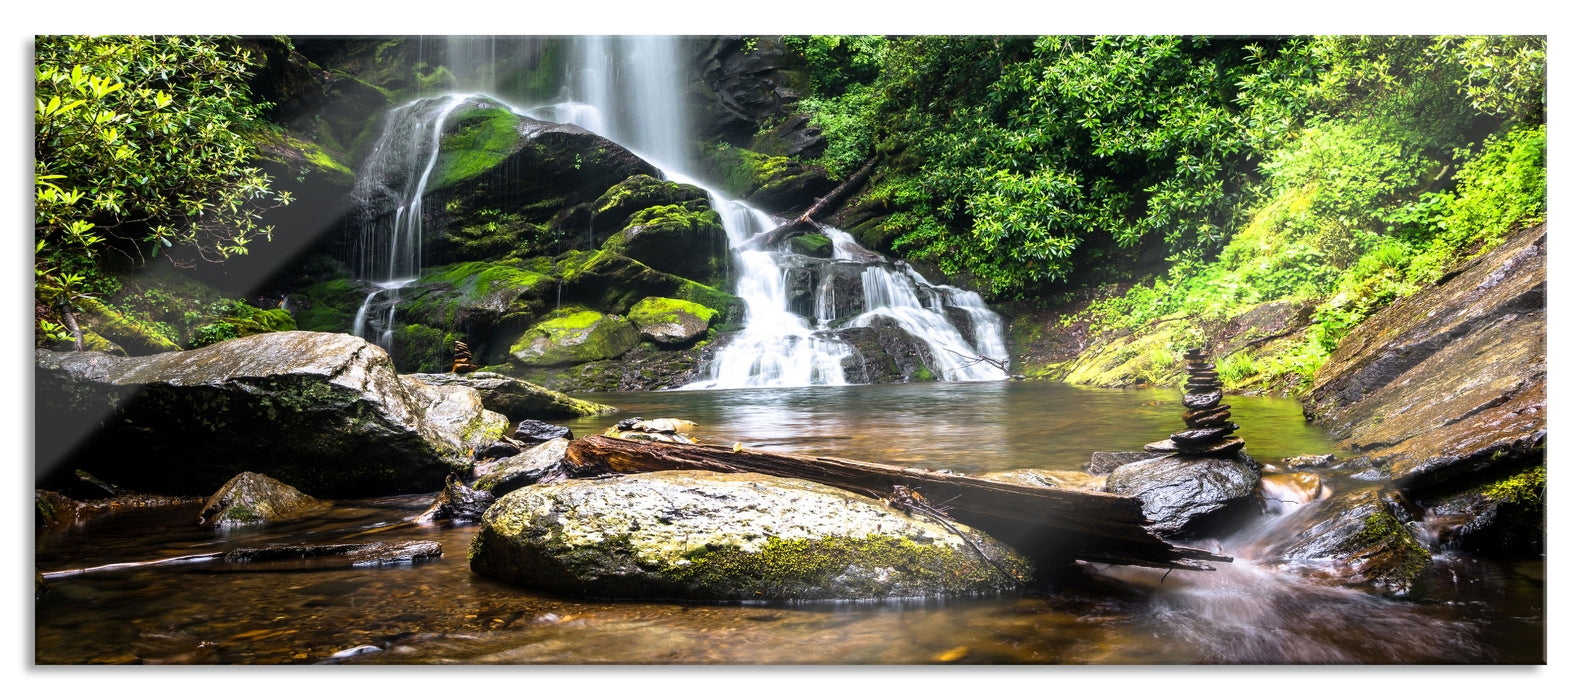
x=805 y=222
x=1048 y=525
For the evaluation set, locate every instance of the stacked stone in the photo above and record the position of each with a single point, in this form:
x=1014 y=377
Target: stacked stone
x=1209 y=429
x=463 y=360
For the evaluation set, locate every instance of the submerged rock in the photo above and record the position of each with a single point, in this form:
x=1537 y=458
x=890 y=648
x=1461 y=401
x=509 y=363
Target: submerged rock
x=515 y=399
x=708 y=536
x=1356 y=539
x=1105 y=462
x=1189 y=496
x=256 y=499
x=325 y=412
x=353 y=555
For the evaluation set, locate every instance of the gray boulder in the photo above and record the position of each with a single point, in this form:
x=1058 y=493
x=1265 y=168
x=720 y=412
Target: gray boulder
x=702 y=535
x=325 y=412
x=525 y=469
x=256 y=499
x=1188 y=496
x=515 y=399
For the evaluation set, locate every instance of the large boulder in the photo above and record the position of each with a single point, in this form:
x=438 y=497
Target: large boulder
x=325 y=412
x=255 y=499
x=1189 y=496
x=524 y=469
x=701 y=535
x=1449 y=383
x=687 y=240
x=515 y=399
x=671 y=322
x=884 y=352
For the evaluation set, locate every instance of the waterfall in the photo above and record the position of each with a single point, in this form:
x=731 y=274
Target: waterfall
x=389 y=190
x=801 y=312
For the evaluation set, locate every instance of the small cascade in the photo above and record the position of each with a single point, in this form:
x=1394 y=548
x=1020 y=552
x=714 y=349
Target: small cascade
x=389 y=244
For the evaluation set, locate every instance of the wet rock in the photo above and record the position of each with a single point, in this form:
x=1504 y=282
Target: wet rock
x=1449 y=382
x=1189 y=496
x=517 y=400
x=1283 y=492
x=51 y=509
x=612 y=211
x=499 y=450
x=884 y=352
x=1105 y=462
x=687 y=240
x=812 y=245
x=526 y=469
x=700 y=535
x=256 y=499
x=324 y=412
x=534 y=432
x=342 y=554
x=656 y=430
x=457 y=503
x=1310 y=461
x=1503 y=519
x=1355 y=539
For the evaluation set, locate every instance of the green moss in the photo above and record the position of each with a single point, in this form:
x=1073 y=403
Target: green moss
x=476 y=279
x=478 y=140
x=1525 y=489
x=781 y=568
x=331 y=306
x=240 y=513
x=812 y=245
x=663 y=310
x=922 y=374
x=1392 y=545
x=574 y=335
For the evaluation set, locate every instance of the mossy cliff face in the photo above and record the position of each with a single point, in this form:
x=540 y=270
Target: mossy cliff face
x=708 y=536
x=574 y=336
x=773 y=183
x=324 y=412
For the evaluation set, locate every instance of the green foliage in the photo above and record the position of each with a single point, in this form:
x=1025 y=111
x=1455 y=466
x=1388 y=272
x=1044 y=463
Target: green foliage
x=139 y=147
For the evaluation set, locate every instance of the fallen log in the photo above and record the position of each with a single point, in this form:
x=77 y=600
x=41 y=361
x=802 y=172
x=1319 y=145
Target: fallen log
x=805 y=222
x=1048 y=525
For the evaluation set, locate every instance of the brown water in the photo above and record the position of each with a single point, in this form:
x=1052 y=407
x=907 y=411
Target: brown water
x=204 y=611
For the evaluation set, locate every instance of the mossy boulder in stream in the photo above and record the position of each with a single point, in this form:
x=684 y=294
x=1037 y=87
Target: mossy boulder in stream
x=325 y=412
x=671 y=321
x=574 y=336
x=687 y=240
x=708 y=536
x=515 y=399
x=1357 y=539
x=255 y=499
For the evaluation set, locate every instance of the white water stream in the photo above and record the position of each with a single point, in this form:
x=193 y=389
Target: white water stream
x=631 y=89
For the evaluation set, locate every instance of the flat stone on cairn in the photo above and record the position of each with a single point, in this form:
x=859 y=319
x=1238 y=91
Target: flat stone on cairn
x=1208 y=423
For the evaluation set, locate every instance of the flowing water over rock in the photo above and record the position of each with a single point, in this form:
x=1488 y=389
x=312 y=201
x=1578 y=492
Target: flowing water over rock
x=206 y=610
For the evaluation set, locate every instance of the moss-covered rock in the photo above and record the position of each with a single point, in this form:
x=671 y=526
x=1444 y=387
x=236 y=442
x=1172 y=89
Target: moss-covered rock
x=812 y=245
x=684 y=240
x=670 y=322
x=573 y=336
x=1358 y=540
x=330 y=306
x=255 y=499
x=137 y=336
x=613 y=283
x=475 y=140
x=775 y=183
x=518 y=400
x=708 y=536
x=613 y=209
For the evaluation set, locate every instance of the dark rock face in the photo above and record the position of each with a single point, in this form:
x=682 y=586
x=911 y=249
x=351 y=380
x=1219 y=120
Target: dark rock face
x=700 y=535
x=1449 y=382
x=884 y=352
x=325 y=412
x=743 y=83
x=1357 y=539
x=457 y=503
x=515 y=399
x=1189 y=496
x=536 y=431
x=255 y=499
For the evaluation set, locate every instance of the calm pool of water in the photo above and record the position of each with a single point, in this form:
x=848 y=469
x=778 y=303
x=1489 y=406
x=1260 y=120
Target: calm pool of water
x=203 y=611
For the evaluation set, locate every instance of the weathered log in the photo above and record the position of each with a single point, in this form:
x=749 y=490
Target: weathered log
x=1049 y=525
x=805 y=222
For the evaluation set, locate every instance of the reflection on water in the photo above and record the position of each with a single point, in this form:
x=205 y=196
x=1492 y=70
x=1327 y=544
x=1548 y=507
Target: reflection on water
x=439 y=612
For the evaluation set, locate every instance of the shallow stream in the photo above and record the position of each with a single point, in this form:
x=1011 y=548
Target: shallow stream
x=206 y=611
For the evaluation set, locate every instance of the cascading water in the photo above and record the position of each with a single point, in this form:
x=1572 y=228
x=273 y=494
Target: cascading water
x=631 y=89
x=390 y=222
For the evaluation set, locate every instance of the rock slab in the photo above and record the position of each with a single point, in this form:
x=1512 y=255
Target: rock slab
x=1186 y=496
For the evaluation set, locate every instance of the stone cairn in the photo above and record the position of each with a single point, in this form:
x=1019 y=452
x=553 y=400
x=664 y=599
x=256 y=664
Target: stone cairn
x=1209 y=429
x=463 y=362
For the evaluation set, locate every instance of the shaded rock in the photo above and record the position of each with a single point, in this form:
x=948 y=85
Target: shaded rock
x=687 y=240
x=324 y=412
x=526 y=469
x=1105 y=462
x=499 y=450
x=52 y=509
x=812 y=245
x=884 y=352
x=256 y=499
x=1450 y=381
x=573 y=337
x=341 y=555
x=457 y=503
x=535 y=431
x=517 y=400
x=1355 y=539
x=671 y=322
x=1188 y=496
x=655 y=430
x=1503 y=519
x=612 y=211
x=697 y=535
